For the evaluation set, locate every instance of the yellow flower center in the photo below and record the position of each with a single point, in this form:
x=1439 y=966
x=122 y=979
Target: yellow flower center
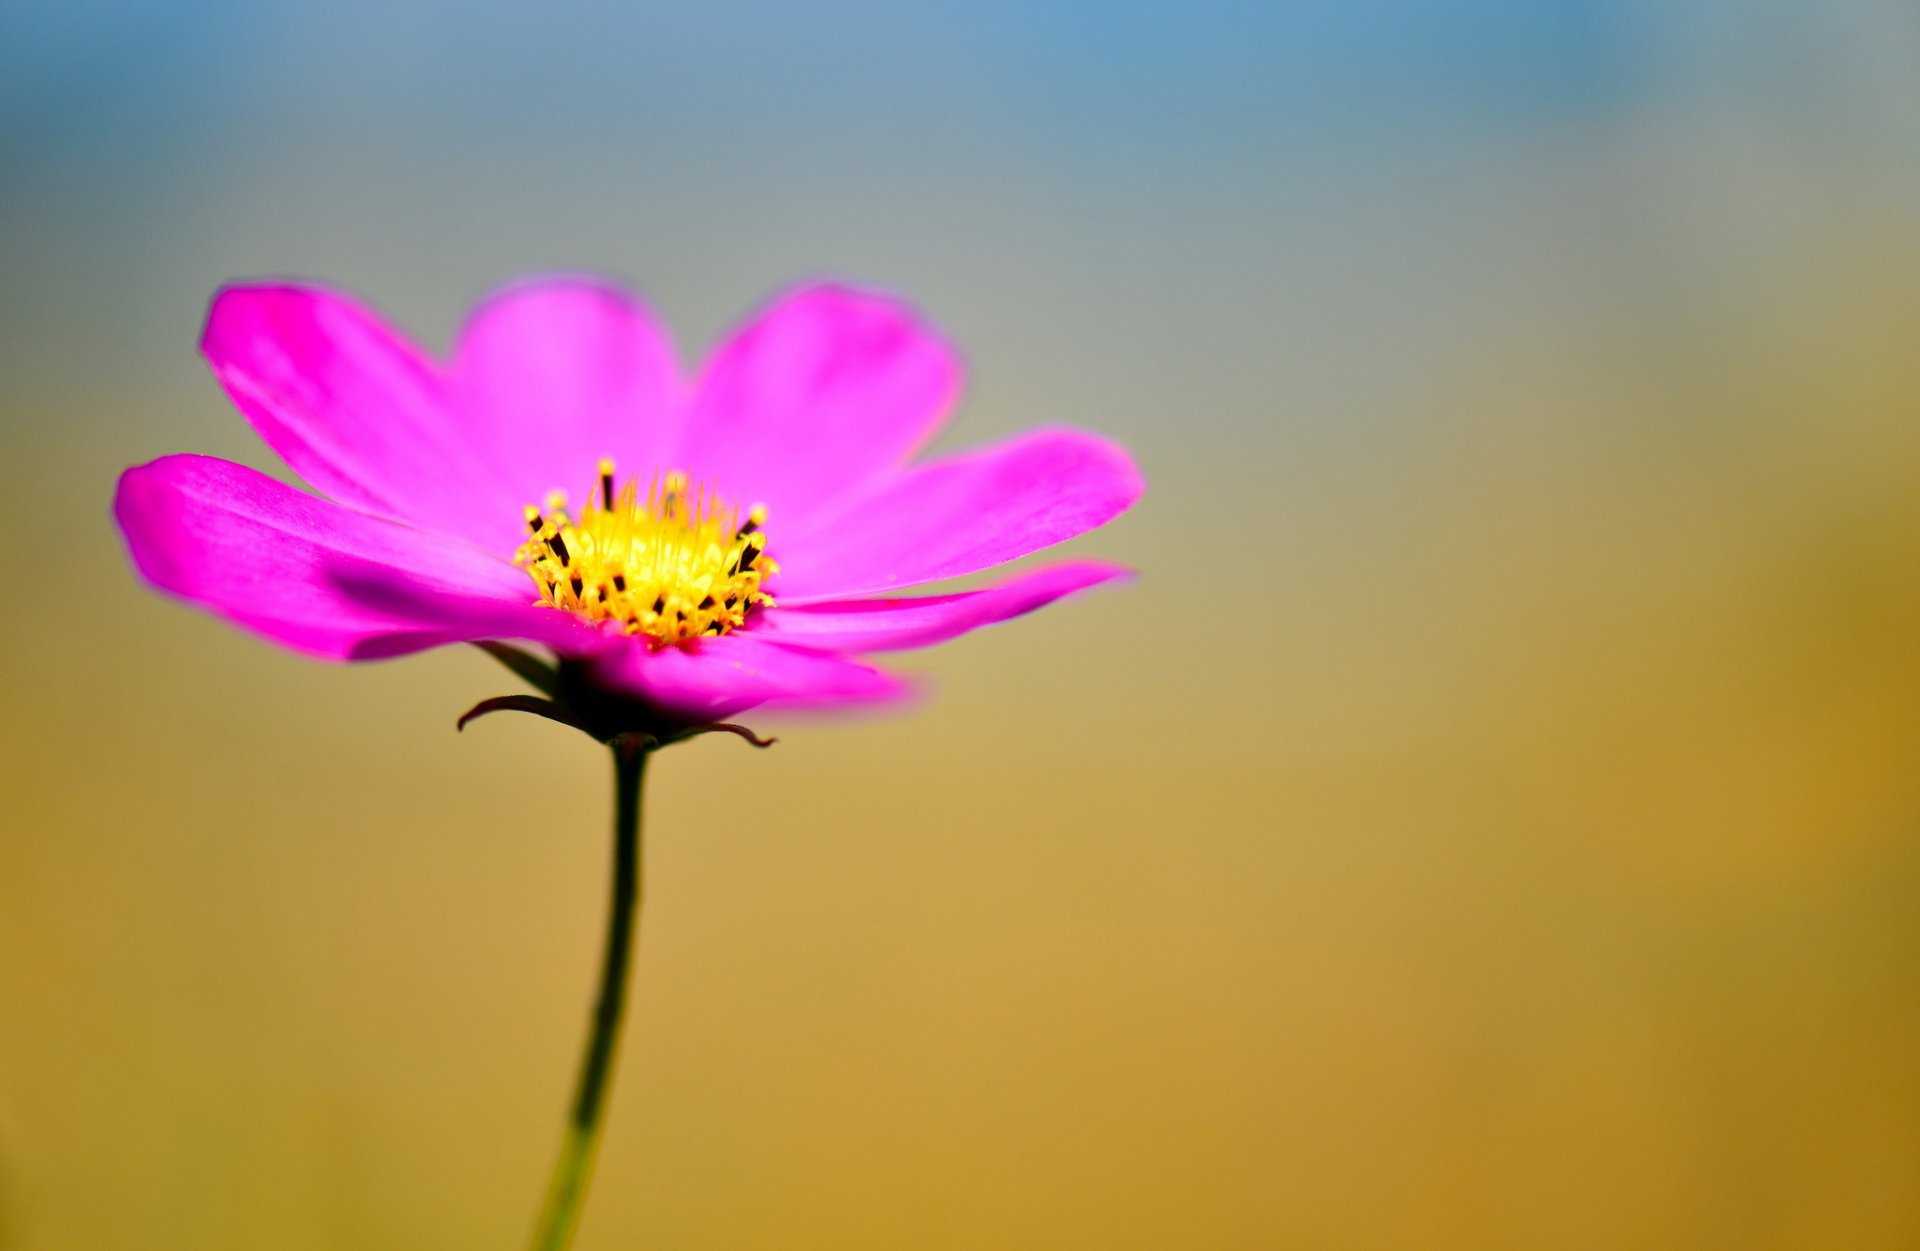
x=674 y=566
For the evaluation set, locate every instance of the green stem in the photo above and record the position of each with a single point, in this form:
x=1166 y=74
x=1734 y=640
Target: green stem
x=567 y=1192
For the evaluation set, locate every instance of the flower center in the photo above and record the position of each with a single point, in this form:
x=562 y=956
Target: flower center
x=673 y=566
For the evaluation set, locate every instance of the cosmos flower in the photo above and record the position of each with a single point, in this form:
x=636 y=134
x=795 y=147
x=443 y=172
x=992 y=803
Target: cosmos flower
x=701 y=545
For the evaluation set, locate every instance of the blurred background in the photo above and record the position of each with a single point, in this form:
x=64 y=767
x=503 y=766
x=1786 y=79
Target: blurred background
x=1492 y=821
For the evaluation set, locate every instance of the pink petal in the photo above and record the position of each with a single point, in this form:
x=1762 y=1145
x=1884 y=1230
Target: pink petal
x=824 y=390
x=561 y=372
x=952 y=517
x=873 y=625
x=357 y=411
x=718 y=677
x=318 y=577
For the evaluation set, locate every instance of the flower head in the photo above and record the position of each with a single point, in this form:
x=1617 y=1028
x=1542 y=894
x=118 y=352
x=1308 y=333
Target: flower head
x=700 y=545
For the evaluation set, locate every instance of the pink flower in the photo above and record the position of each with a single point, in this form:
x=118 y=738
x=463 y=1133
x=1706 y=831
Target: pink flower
x=726 y=539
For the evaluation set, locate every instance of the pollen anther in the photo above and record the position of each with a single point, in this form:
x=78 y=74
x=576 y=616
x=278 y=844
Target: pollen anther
x=673 y=566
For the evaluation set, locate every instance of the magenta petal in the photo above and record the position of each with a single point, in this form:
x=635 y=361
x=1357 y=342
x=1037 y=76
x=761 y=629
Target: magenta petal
x=719 y=677
x=873 y=625
x=952 y=517
x=561 y=372
x=318 y=577
x=825 y=389
x=357 y=411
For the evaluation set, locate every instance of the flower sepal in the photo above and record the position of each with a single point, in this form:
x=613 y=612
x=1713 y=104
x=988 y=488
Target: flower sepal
x=570 y=697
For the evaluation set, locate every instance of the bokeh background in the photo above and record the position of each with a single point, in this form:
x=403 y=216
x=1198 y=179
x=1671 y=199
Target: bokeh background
x=1492 y=821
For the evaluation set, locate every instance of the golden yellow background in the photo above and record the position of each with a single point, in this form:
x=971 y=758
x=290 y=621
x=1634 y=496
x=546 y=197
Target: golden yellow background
x=1491 y=821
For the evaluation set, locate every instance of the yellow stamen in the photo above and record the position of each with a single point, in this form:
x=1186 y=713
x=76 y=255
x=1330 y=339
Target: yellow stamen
x=673 y=567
